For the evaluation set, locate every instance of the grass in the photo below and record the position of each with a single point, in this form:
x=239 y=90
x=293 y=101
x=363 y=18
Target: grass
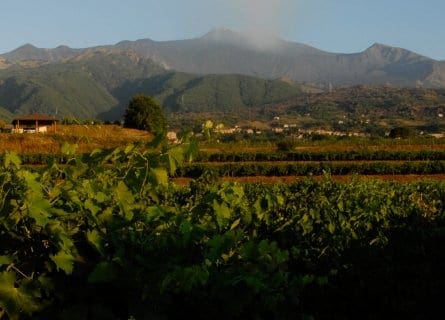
x=87 y=138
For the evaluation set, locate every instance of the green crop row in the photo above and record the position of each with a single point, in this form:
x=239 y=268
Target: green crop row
x=363 y=155
x=240 y=169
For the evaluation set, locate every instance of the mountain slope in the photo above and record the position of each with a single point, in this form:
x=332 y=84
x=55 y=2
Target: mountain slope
x=182 y=92
x=227 y=52
x=79 y=87
x=99 y=83
x=223 y=51
x=71 y=94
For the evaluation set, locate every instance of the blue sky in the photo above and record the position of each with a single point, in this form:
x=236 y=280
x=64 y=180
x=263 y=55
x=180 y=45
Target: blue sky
x=332 y=25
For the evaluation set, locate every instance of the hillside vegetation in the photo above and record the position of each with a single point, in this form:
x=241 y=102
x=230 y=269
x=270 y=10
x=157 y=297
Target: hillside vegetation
x=362 y=108
x=99 y=84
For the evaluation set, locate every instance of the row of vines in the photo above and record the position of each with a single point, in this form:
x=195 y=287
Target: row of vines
x=356 y=155
x=106 y=236
x=245 y=169
x=361 y=155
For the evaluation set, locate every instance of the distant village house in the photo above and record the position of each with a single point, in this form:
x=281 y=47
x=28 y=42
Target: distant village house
x=34 y=123
x=172 y=137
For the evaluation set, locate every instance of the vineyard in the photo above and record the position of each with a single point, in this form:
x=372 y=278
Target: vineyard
x=337 y=163
x=285 y=164
x=106 y=235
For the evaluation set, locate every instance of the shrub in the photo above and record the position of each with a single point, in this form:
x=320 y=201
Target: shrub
x=286 y=145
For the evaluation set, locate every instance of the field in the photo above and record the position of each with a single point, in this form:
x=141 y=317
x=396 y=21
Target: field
x=86 y=137
x=383 y=158
x=387 y=159
x=107 y=235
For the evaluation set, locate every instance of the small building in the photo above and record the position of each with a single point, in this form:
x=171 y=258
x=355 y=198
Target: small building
x=172 y=137
x=34 y=123
x=225 y=130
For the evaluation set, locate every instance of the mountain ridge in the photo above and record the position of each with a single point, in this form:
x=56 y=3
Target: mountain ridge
x=221 y=69
x=30 y=52
x=224 y=51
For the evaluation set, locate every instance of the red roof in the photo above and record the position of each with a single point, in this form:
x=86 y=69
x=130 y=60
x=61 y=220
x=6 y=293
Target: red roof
x=35 y=117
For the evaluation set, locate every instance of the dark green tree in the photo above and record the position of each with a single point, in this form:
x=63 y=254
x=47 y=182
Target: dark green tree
x=401 y=132
x=145 y=113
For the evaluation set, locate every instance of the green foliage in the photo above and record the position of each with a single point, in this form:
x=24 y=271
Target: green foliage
x=106 y=236
x=246 y=169
x=17 y=299
x=287 y=144
x=144 y=113
x=353 y=155
x=401 y=132
x=322 y=156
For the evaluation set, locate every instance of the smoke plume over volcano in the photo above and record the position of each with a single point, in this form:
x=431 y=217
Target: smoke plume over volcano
x=262 y=20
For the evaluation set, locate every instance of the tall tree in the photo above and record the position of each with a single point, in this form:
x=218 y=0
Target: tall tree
x=145 y=113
